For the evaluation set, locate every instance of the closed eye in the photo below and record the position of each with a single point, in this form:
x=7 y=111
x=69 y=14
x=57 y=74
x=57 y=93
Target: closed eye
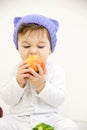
x=40 y=46
x=26 y=46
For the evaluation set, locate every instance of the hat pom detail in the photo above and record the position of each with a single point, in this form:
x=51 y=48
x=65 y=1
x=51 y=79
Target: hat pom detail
x=55 y=23
x=16 y=20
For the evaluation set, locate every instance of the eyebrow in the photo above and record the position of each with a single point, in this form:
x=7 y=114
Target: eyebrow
x=30 y=43
x=25 y=42
x=42 y=42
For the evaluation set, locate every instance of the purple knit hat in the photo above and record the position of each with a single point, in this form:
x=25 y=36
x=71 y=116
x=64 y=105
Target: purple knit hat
x=50 y=24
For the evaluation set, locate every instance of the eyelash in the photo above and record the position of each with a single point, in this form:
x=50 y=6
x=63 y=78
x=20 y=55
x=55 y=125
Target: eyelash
x=37 y=46
x=26 y=46
x=40 y=46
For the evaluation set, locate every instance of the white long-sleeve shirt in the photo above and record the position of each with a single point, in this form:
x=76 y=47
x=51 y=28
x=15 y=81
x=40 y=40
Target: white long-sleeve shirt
x=25 y=101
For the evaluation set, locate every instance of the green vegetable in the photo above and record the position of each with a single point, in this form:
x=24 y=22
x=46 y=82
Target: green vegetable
x=43 y=126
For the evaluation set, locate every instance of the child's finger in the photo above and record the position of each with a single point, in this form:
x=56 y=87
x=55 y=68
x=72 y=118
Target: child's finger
x=33 y=72
x=24 y=65
x=41 y=71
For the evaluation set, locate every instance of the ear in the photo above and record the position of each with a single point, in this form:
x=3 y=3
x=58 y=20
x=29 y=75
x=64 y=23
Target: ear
x=16 y=20
x=55 y=23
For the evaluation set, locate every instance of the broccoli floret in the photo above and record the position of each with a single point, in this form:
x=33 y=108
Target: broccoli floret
x=43 y=126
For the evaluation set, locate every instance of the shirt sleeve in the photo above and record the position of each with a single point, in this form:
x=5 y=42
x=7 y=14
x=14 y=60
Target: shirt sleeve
x=54 y=91
x=10 y=91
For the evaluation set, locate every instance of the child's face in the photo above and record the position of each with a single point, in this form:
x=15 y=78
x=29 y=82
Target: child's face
x=34 y=43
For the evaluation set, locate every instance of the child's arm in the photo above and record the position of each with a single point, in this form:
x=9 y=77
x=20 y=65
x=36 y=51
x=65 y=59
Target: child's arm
x=10 y=90
x=55 y=89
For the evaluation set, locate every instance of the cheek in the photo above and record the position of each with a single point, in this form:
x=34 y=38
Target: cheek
x=45 y=56
x=23 y=54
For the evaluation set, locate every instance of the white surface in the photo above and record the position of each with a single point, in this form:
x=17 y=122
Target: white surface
x=71 y=51
x=82 y=125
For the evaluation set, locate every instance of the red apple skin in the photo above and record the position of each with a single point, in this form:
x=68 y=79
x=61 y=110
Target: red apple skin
x=1 y=112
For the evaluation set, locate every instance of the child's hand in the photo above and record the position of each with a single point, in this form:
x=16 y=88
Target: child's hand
x=22 y=74
x=38 y=80
x=25 y=73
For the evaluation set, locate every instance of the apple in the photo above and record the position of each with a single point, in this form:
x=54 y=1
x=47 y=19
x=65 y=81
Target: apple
x=34 y=60
x=1 y=112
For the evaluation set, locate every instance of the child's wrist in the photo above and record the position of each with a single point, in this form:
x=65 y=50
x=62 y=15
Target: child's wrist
x=22 y=85
x=40 y=88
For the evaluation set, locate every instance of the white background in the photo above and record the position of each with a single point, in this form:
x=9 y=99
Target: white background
x=71 y=50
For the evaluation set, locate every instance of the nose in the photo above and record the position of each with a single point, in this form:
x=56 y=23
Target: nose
x=33 y=51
